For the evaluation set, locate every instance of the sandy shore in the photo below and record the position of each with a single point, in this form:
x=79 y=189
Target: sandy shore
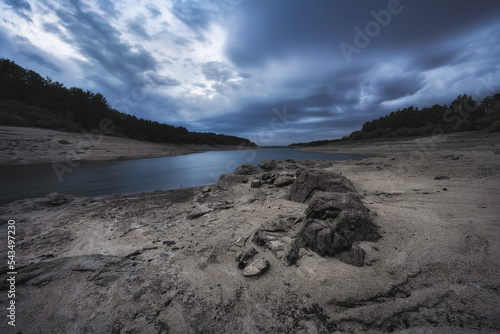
x=164 y=262
x=20 y=145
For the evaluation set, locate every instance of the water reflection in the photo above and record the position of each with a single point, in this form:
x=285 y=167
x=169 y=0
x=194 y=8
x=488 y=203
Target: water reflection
x=142 y=175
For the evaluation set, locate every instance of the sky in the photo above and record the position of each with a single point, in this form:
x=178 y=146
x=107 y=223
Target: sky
x=273 y=71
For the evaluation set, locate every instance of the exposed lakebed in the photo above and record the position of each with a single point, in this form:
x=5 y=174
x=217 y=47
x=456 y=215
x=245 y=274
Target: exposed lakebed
x=140 y=175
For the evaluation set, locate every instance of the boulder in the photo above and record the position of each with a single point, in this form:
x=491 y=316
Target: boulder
x=283 y=181
x=355 y=256
x=275 y=235
x=310 y=181
x=268 y=164
x=321 y=238
x=247 y=169
x=255 y=184
x=356 y=226
x=267 y=178
x=256 y=268
x=245 y=255
x=329 y=205
x=227 y=181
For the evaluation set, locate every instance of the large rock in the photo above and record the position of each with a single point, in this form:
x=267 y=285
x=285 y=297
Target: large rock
x=320 y=237
x=275 y=235
x=268 y=164
x=268 y=178
x=255 y=184
x=325 y=205
x=245 y=255
x=247 y=169
x=345 y=214
x=283 y=181
x=356 y=226
x=227 y=181
x=355 y=256
x=310 y=181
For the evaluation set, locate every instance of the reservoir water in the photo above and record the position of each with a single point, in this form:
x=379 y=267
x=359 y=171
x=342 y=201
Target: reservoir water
x=102 y=178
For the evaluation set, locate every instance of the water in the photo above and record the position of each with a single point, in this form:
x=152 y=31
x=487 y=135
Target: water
x=95 y=179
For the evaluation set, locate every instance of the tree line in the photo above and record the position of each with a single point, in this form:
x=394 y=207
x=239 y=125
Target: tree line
x=463 y=114
x=27 y=99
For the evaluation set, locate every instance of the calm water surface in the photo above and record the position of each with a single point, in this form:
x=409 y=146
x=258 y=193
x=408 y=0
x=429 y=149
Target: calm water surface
x=95 y=179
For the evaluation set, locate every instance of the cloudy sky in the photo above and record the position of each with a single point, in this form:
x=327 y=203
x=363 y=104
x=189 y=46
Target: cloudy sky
x=273 y=71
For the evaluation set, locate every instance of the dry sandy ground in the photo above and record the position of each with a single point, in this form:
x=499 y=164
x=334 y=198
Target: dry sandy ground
x=164 y=262
x=20 y=145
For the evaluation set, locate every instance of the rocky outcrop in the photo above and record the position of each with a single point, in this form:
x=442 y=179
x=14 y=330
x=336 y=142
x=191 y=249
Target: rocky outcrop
x=345 y=214
x=310 y=181
x=228 y=180
x=247 y=169
x=334 y=221
x=268 y=164
x=355 y=256
x=240 y=175
x=283 y=181
x=332 y=225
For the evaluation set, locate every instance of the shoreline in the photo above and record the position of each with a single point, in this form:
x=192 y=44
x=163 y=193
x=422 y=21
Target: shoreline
x=384 y=147
x=25 y=146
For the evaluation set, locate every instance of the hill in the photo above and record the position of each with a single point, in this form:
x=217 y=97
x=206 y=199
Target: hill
x=29 y=100
x=463 y=114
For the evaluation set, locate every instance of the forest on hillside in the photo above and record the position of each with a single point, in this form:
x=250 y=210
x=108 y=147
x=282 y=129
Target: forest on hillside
x=463 y=114
x=27 y=99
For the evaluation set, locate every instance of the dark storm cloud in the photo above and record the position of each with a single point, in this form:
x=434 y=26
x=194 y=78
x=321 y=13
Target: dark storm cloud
x=274 y=30
x=387 y=89
x=136 y=26
x=38 y=59
x=99 y=41
x=30 y=53
x=52 y=28
x=164 y=81
x=434 y=59
x=182 y=41
x=153 y=11
x=108 y=6
x=191 y=13
x=21 y=7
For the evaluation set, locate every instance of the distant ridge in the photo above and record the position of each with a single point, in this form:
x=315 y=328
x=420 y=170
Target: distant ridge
x=27 y=99
x=463 y=114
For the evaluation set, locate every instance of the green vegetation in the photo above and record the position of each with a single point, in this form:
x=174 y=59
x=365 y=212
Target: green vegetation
x=27 y=99
x=463 y=114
